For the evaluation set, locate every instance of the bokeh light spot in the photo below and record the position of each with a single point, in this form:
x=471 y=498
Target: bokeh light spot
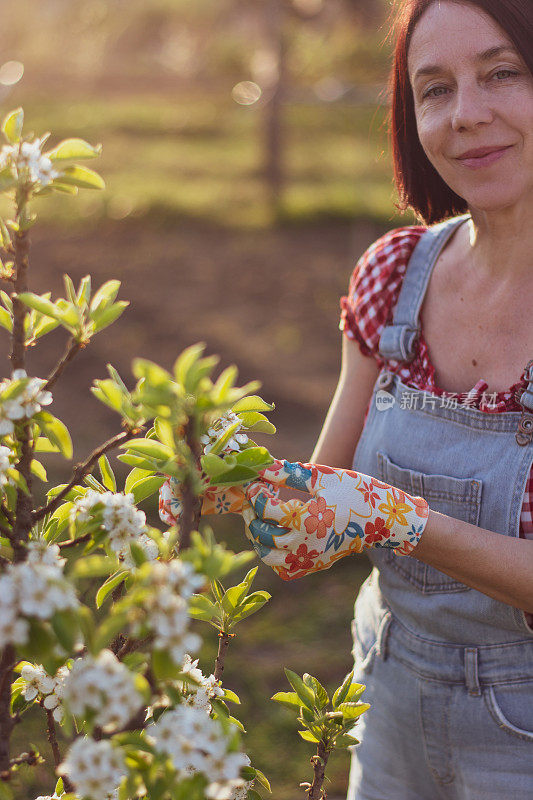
x=246 y=93
x=11 y=72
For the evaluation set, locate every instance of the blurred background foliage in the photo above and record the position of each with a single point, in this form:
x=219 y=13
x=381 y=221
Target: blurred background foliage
x=247 y=168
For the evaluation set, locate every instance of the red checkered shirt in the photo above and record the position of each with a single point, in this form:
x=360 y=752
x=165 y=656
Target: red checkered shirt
x=369 y=306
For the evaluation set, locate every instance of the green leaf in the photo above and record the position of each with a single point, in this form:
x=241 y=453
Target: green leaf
x=257 y=422
x=200 y=607
x=105 y=295
x=262 y=779
x=163 y=667
x=82 y=177
x=108 y=393
x=288 y=699
x=354 y=692
x=307 y=736
x=7 y=179
x=93 y=567
x=344 y=740
x=252 y=403
x=342 y=691
x=149 y=448
x=63 y=188
x=65 y=626
x=353 y=710
x=111 y=583
x=320 y=693
x=253 y=603
x=37 y=468
x=237 y=475
x=254 y=457
x=108 y=476
x=6 y=320
x=12 y=125
x=56 y=431
x=84 y=292
x=304 y=693
x=231 y=696
x=41 y=304
x=213 y=466
x=102 y=319
x=5 y=238
x=146 y=487
x=134 y=477
x=186 y=360
x=72 y=149
x=217 y=589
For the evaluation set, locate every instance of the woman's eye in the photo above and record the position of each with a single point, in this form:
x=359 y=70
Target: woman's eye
x=503 y=74
x=435 y=91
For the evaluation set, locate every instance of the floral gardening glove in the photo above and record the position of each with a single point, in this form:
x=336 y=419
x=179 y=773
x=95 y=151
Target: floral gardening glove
x=347 y=513
x=215 y=500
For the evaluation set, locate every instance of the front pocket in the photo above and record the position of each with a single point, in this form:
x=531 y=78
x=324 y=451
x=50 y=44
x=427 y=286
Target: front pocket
x=456 y=497
x=511 y=708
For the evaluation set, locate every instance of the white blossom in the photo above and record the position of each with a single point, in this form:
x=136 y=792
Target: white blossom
x=95 y=768
x=5 y=464
x=33 y=588
x=28 y=161
x=120 y=518
x=37 y=681
x=218 y=428
x=103 y=685
x=25 y=404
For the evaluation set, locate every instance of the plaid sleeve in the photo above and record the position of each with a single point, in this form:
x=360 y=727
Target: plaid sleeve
x=375 y=287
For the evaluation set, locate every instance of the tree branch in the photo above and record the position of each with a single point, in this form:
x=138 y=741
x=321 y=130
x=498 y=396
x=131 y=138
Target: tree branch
x=73 y=348
x=52 y=738
x=81 y=470
x=30 y=758
x=7 y=662
x=223 y=643
x=192 y=505
x=319 y=765
x=73 y=542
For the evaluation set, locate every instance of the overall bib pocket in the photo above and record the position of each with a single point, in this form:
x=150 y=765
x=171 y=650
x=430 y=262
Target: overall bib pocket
x=456 y=497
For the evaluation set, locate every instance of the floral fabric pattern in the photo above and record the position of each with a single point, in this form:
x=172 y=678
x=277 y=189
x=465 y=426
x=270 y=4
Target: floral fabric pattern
x=348 y=512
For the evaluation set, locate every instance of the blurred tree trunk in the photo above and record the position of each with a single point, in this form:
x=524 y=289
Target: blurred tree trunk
x=273 y=110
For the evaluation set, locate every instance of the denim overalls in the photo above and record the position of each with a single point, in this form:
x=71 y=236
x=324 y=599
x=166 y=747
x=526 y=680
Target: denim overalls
x=448 y=670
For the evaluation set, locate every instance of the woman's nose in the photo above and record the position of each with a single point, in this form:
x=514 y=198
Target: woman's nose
x=471 y=108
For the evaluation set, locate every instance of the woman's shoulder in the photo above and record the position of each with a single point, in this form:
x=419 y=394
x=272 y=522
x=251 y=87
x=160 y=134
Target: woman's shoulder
x=375 y=286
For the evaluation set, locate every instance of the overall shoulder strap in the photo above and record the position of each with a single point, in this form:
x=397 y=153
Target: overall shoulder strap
x=398 y=339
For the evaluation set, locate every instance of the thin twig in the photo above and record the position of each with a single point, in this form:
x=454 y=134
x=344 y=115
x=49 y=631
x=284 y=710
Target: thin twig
x=30 y=758
x=192 y=505
x=319 y=765
x=73 y=348
x=81 y=470
x=223 y=643
x=7 y=662
x=73 y=542
x=7 y=513
x=52 y=738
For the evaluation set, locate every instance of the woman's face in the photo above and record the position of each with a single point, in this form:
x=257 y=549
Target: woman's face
x=474 y=105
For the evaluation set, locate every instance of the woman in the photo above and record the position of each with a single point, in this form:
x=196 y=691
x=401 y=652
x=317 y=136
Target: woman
x=443 y=628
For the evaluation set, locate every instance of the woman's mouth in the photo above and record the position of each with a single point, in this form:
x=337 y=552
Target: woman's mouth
x=483 y=157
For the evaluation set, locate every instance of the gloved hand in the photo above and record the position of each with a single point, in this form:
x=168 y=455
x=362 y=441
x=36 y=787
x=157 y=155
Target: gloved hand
x=215 y=500
x=347 y=513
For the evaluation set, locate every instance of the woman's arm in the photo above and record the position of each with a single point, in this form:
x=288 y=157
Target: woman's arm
x=346 y=416
x=499 y=566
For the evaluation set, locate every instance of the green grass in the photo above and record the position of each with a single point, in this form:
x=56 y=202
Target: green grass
x=168 y=158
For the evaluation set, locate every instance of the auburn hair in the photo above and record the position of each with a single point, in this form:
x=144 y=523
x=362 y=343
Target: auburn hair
x=418 y=183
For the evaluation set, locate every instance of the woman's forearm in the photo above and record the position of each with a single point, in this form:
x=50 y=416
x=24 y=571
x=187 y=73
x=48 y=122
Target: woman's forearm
x=499 y=566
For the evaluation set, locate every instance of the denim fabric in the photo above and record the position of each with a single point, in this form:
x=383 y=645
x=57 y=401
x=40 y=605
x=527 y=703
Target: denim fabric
x=449 y=671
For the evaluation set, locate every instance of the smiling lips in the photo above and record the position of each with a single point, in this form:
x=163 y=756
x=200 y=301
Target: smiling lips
x=483 y=156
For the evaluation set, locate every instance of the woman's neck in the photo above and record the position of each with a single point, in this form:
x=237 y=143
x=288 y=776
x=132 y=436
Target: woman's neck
x=501 y=246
